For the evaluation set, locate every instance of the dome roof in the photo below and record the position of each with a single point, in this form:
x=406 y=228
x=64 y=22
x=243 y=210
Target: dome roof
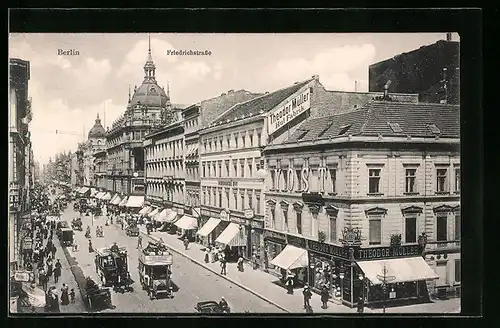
x=149 y=94
x=97 y=130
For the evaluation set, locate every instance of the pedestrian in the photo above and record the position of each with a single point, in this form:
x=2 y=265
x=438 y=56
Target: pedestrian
x=139 y=242
x=361 y=305
x=44 y=280
x=254 y=261
x=72 y=295
x=186 y=243
x=307 y=296
x=207 y=251
x=54 y=300
x=41 y=272
x=240 y=264
x=289 y=283
x=64 y=295
x=51 y=234
x=325 y=295
x=223 y=266
x=49 y=269
x=53 y=250
x=91 y=250
x=57 y=271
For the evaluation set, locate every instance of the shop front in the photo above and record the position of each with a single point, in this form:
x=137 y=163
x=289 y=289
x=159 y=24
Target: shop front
x=187 y=225
x=274 y=243
x=327 y=264
x=207 y=233
x=293 y=259
x=392 y=274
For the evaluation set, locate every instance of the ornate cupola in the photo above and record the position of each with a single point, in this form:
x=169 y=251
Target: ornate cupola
x=149 y=67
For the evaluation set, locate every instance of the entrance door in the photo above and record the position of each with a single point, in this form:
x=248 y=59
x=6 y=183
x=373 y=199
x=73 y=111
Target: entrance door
x=442 y=273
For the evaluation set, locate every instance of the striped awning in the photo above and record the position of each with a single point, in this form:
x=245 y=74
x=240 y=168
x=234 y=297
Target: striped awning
x=208 y=227
x=153 y=212
x=99 y=195
x=145 y=210
x=232 y=236
x=123 y=202
x=160 y=217
x=117 y=200
x=106 y=196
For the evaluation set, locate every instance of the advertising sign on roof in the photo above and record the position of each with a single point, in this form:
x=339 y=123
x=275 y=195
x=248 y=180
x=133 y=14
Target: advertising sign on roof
x=285 y=113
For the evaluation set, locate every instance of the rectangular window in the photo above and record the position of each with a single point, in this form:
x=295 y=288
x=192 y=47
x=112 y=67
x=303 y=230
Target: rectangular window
x=374 y=181
x=333 y=229
x=273 y=179
x=457 y=179
x=250 y=201
x=458 y=271
x=236 y=141
x=298 y=179
x=411 y=230
x=285 y=179
x=410 y=180
x=220 y=141
x=442 y=229
x=458 y=227
x=259 y=139
x=273 y=219
x=285 y=221
x=220 y=168
x=242 y=201
x=235 y=201
x=242 y=167
x=220 y=198
x=227 y=168
x=441 y=175
x=299 y=223
x=257 y=200
x=204 y=171
x=235 y=167
x=442 y=274
x=333 y=180
x=250 y=168
x=375 y=231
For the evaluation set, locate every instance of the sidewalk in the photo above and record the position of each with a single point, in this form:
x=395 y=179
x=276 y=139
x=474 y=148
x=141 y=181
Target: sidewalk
x=256 y=282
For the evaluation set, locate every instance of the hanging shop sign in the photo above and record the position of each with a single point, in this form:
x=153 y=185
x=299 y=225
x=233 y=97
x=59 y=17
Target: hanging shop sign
x=224 y=215
x=273 y=235
x=248 y=213
x=296 y=241
x=388 y=252
x=257 y=224
x=327 y=249
x=285 y=113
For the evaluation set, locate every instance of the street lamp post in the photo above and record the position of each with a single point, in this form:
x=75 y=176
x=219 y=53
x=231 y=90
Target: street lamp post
x=385 y=278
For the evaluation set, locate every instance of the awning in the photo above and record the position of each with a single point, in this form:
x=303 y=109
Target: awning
x=208 y=227
x=187 y=223
x=99 y=195
x=153 y=212
x=291 y=258
x=171 y=216
x=107 y=196
x=160 y=217
x=117 y=200
x=83 y=190
x=93 y=192
x=123 y=202
x=232 y=236
x=145 y=210
x=135 y=201
x=403 y=270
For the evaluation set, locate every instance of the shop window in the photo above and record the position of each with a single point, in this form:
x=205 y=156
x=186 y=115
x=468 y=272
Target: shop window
x=375 y=231
x=441 y=180
x=410 y=229
x=410 y=180
x=458 y=227
x=458 y=271
x=299 y=223
x=374 y=181
x=457 y=180
x=442 y=230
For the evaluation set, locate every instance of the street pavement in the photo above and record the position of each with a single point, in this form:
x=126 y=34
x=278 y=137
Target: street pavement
x=195 y=283
x=263 y=284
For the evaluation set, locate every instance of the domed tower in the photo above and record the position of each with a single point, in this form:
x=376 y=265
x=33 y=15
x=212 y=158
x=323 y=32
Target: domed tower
x=97 y=136
x=150 y=100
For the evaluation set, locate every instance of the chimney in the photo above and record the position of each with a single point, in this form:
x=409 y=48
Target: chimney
x=448 y=36
x=386 y=89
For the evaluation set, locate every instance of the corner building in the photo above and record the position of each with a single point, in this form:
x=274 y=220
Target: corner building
x=352 y=193
x=232 y=190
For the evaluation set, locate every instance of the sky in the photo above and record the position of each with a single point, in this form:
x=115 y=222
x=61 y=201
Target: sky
x=69 y=91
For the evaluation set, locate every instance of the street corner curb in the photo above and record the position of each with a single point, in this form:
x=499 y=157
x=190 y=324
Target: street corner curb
x=218 y=274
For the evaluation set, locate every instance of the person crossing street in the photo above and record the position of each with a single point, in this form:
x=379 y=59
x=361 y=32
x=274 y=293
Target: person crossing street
x=139 y=242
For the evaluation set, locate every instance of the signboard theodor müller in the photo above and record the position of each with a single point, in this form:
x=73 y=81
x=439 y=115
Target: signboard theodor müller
x=288 y=111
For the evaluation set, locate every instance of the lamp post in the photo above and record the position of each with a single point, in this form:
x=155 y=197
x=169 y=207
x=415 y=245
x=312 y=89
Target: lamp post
x=385 y=278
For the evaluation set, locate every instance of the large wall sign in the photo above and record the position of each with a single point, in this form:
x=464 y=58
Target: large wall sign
x=288 y=111
x=388 y=252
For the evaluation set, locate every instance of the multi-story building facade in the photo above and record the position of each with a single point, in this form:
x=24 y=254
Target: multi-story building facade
x=148 y=109
x=100 y=168
x=20 y=153
x=432 y=71
x=230 y=154
x=74 y=181
x=95 y=143
x=374 y=188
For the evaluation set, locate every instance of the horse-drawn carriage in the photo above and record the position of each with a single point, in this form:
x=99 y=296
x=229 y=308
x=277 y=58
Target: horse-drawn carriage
x=155 y=270
x=111 y=264
x=96 y=296
x=132 y=229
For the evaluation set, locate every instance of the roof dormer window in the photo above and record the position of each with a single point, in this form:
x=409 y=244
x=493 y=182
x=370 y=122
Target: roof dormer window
x=395 y=127
x=434 y=129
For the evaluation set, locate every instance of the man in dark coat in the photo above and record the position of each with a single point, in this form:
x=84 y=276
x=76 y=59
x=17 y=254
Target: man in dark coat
x=53 y=250
x=57 y=271
x=307 y=296
x=325 y=295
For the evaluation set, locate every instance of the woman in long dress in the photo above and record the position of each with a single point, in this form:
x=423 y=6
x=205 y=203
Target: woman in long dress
x=64 y=295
